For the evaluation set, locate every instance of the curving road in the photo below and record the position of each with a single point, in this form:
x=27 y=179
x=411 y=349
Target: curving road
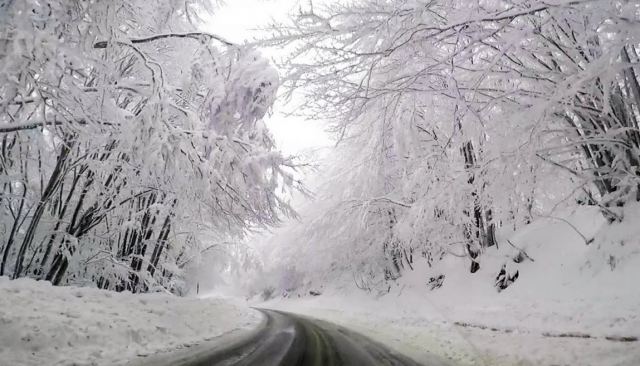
x=290 y=340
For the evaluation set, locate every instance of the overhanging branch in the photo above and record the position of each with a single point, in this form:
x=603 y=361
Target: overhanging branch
x=30 y=125
x=193 y=35
x=27 y=126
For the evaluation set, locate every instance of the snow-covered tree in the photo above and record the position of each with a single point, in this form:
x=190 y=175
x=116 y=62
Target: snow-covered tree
x=455 y=117
x=130 y=142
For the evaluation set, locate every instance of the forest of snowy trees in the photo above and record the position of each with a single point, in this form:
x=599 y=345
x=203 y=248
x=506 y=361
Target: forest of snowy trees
x=454 y=118
x=130 y=142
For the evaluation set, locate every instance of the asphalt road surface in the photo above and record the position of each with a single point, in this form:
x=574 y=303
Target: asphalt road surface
x=291 y=340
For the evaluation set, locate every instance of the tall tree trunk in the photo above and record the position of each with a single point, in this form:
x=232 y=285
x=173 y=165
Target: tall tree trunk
x=52 y=185
x=481 y=233
x=14 y=229
x=65 y=205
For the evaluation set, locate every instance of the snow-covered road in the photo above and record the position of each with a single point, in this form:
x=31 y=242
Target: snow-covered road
x=292 y=340
x=41 y=324
x=421 y=333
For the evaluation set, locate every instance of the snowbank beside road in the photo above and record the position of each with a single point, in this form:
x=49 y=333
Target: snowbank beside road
x=45 y=325
x=421 y=330
x=576 y=300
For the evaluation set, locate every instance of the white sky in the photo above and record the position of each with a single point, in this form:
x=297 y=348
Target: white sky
x=236 y=21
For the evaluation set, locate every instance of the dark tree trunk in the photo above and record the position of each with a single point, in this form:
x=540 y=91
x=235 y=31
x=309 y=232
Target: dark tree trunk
x=481 y=233
x=54 y=182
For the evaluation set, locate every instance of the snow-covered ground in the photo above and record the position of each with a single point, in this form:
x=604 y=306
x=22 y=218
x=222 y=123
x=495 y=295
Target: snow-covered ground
x=45 y=325
x=573 y=303
x=421 y=331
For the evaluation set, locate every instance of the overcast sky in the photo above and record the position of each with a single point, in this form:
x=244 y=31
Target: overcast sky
x=237 y=21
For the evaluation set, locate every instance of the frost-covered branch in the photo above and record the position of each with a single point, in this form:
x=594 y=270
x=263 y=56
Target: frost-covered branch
x=193 y=35
x=183 y=157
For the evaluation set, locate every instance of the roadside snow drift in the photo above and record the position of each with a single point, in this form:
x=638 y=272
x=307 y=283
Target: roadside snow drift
x=45 y=325
x=576 y=300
